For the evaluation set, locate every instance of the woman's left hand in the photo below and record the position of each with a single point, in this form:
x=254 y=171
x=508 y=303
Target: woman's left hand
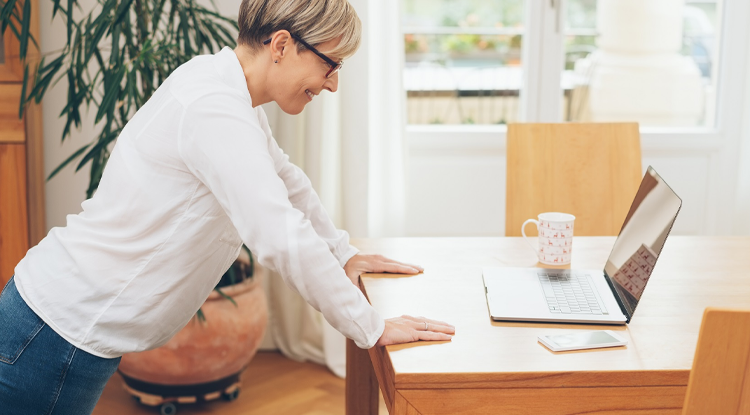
x=360 y=264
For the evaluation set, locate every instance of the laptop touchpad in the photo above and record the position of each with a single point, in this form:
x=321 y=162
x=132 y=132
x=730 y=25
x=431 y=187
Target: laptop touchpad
x=515 y=293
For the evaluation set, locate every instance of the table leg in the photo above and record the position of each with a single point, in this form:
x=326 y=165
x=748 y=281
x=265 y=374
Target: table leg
x=361 y=383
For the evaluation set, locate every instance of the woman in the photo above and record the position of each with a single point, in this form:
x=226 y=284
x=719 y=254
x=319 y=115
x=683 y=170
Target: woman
x=194 y=174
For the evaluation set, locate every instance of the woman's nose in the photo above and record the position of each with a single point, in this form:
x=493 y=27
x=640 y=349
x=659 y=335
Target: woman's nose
x=332 y=83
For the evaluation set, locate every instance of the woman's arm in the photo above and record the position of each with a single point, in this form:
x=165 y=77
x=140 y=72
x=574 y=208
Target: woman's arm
x=303 y=197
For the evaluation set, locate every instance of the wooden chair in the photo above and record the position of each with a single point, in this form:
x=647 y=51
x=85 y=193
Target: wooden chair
x=720 y=379
x=591 y=170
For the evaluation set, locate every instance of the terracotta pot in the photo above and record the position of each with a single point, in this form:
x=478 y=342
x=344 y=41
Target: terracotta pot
x=210 y=350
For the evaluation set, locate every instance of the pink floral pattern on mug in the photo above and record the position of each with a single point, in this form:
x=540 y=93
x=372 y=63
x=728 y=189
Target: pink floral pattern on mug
x=555 y=241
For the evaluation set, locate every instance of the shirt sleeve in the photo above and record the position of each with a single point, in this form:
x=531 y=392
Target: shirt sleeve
x=303 y=197
x=223 y=145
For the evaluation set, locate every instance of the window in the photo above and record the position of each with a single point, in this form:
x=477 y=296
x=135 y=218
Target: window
x=463 y=60
x=653 y=62
x=607 y=60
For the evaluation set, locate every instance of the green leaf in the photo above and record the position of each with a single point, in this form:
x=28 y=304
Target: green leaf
x=22 y=105
x=185 y=32
x=97 y=168
x=122 y=11
x=54 y=64
x=214 y=34
x=92 y=42
x=25 y=24
x=203 y=10
x=229 y=36
x=69 y=19
x=114 y=57
x=218 y=290
x=55 y=7
x=67 y=161
x=99 y=26
x=105 y=138
x=131 y=90
x=6 y=12
x=157 y=15
x=99 y=58
x=41 y=85
x=232 y=275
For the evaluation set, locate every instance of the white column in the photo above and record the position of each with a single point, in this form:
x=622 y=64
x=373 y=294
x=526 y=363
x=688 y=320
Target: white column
x=638 y=74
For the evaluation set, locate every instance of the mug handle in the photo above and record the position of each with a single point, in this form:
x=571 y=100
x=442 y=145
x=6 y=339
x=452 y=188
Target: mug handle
x=525 y=238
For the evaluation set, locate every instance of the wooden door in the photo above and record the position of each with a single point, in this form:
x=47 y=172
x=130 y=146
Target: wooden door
x=21 y=160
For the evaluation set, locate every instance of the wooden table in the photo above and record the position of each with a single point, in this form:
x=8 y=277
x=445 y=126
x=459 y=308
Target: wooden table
x=492 y=368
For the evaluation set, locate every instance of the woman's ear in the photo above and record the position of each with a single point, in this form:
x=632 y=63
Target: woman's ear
x=278 y=44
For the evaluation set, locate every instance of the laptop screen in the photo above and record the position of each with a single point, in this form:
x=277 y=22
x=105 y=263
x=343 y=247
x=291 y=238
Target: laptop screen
x=641 y=239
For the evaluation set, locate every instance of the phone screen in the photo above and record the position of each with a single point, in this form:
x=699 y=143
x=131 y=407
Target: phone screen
x=583 y=339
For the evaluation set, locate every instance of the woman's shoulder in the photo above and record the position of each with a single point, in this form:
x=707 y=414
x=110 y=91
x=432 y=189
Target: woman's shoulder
x=203 y=76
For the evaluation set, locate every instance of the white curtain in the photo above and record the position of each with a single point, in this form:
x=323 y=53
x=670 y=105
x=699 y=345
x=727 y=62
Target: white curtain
x=742 y=193
x=742 y=200
x=351 y=146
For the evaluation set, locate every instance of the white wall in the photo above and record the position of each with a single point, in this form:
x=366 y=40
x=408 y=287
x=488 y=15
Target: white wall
x=65 y=192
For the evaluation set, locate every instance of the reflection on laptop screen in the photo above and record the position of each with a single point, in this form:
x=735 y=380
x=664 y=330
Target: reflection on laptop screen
x=641 y=239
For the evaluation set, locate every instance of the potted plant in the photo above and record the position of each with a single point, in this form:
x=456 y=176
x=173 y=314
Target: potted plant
x=114 y=58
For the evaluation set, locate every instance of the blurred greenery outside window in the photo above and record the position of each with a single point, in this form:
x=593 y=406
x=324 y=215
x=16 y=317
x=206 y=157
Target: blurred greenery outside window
x=463 y=60
x=448 y=42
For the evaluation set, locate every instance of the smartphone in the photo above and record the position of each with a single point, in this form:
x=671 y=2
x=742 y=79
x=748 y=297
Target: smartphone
x=582 y=340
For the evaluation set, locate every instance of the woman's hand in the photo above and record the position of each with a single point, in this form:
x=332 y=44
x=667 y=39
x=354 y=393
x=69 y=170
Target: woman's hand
x=360 y=264
x=406 y=329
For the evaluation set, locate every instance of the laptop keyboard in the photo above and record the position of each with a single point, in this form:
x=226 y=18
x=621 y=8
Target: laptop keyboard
x=570 y=294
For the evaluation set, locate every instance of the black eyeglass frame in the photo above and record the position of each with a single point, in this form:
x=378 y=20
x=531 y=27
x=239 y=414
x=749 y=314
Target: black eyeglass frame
x=335 y=67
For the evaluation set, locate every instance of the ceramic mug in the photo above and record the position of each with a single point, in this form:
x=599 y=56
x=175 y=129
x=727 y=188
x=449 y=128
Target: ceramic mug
x=555 y=245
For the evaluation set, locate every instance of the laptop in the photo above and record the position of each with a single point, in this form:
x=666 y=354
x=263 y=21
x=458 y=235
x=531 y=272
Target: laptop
x=608 y=296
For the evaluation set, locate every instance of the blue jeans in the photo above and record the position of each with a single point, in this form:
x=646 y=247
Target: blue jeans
x=40 y=372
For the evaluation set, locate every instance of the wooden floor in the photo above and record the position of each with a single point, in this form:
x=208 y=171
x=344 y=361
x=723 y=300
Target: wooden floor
x=272 y=384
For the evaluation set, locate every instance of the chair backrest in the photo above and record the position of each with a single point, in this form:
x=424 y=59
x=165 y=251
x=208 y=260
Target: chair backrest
x=591 y=170
x=720 y=378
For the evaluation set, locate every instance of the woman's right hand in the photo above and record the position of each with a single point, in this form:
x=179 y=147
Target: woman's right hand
x=407 y=329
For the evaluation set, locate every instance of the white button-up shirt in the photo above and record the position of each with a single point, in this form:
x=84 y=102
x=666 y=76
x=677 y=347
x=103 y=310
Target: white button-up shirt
x=194 y=174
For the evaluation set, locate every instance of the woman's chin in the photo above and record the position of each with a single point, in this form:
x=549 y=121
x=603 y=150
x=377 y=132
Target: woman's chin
x=292 y=109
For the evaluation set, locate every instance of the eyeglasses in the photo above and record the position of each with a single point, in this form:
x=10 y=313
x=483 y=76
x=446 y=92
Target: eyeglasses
x=335 y=67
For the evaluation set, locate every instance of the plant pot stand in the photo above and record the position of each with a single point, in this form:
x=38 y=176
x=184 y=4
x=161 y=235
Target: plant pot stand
x=167 y=396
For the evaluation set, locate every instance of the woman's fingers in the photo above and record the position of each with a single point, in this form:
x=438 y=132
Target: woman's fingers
x=395 y=268
x=426 y=324
x=436 y=328
x=430 y=321
x=433 y=336
x=378 y=263
x=405 y=264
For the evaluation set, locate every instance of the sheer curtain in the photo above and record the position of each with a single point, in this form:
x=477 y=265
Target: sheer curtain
x=742 y=198
x=351 y=146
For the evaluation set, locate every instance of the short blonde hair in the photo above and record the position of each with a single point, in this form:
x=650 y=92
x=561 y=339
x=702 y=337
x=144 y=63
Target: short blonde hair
x=315 y=21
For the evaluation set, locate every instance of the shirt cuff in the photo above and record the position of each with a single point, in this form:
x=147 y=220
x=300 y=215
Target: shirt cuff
x=348 y=254
x=373 y=337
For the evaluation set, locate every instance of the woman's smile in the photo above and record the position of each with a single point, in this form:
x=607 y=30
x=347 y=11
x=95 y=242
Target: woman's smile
x=310 y=94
